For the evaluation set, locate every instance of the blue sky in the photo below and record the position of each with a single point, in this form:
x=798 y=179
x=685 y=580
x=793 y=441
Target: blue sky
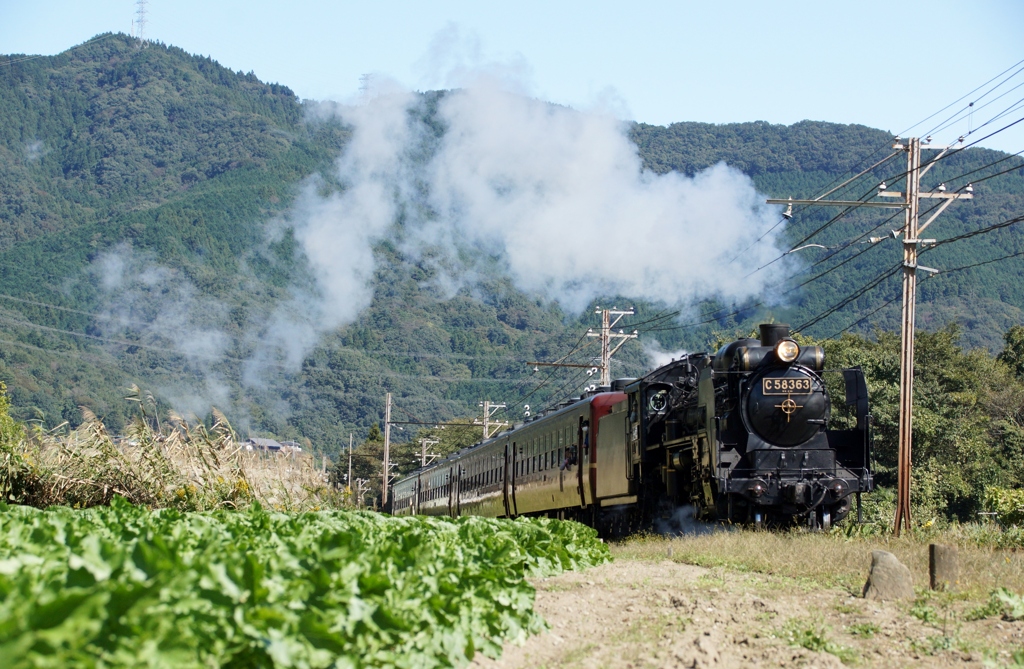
x=883 y=64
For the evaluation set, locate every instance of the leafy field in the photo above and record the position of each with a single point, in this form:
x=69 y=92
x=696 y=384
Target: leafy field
x=123 y=586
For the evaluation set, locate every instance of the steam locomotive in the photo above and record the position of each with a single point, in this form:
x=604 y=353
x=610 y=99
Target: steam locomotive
x=741 y=436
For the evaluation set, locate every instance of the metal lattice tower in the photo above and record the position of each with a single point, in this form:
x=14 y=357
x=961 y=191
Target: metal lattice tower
x=139 y=23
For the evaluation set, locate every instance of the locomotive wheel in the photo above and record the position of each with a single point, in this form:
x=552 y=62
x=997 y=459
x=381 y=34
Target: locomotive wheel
x=825 y=519
x=758 y=520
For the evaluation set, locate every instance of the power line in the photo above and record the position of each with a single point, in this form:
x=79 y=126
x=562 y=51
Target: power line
x=975 y=233
x=931 y=278
x=849 y=298
x=1020 y=62
x=864 y=318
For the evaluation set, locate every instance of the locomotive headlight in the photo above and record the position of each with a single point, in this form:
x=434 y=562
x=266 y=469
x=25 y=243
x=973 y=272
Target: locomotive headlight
x=787 y=350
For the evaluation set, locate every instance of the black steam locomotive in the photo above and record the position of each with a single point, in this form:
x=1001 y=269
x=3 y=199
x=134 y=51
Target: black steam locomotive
x=741 y=436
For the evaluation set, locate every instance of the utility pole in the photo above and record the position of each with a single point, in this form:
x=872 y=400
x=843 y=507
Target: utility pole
x=607 y=335
x=489 y=411
x=911 y=229
x=361 y=486
x=386 y=473
x=424 y=442
x=349 y=479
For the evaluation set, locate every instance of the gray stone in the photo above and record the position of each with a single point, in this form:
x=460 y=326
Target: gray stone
x=943 y=568
x=889 y=578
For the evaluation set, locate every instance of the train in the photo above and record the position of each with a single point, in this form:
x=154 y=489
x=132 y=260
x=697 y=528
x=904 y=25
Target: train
x=740 y=436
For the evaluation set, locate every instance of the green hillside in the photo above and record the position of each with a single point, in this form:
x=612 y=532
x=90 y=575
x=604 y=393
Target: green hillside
x=111 y=151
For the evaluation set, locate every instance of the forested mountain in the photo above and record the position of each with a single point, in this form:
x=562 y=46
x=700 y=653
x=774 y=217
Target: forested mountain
x=123 y=166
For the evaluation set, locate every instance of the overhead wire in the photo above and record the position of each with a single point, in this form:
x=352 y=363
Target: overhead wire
x=927 y=118
x=849 y=298
x=970 y=107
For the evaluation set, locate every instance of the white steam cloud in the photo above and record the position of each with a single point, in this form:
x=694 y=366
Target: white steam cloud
x=558 y=196
x=162 y=311
x=658 y=356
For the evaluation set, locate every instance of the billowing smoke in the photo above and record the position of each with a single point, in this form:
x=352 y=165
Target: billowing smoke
x=161 y=311
x=557 y=196
x=659 y=356
x=683 y=523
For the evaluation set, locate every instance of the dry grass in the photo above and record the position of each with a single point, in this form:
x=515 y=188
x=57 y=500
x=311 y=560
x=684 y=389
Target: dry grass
x=184 y=466
x=834 y=559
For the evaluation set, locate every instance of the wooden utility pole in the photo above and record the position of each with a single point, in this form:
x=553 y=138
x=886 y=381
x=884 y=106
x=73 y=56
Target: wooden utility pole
x=911 y=241
x=906 y=435
x=607 y=335
x=911 y=229
x=349 y=479
x=386 y=472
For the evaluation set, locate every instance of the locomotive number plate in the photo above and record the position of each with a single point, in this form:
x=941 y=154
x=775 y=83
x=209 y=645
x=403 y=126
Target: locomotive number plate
x=777 y=386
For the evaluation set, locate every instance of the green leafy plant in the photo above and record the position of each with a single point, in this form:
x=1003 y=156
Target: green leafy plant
x=866 y=630
x=120 y=586
x=815 y=638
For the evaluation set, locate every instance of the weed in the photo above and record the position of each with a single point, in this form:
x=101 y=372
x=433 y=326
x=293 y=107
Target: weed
x=815 y=639
x=993 y=607
x=1013 y=604
x=1001 y=602
x=866 y=630
x=924 y=612
x=935 y=644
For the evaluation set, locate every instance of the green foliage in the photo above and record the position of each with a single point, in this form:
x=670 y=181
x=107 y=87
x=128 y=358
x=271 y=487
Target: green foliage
x=968 y=409
x=815 y=638
x=1002 y=602
x=121 y=586
x=866 y=630
x=1013 y=354
x=1007 y=504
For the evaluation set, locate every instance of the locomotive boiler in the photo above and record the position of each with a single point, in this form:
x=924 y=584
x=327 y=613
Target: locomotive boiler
x=742 y=435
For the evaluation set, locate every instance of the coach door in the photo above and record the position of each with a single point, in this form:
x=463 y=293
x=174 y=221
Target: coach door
x=506 y=476
x=586 y=456
x=514 y=477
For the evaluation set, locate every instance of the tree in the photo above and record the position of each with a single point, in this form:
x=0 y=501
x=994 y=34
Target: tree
x=1013 y=354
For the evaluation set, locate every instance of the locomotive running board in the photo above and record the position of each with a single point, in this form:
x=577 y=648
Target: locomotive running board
x=615 y=501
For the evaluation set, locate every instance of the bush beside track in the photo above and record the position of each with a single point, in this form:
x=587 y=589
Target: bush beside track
x=124 y=586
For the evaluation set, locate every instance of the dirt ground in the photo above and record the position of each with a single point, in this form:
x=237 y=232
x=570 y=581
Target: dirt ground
x=641 y=613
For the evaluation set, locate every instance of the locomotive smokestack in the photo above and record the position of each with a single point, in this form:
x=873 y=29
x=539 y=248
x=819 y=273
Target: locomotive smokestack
x=772 y=333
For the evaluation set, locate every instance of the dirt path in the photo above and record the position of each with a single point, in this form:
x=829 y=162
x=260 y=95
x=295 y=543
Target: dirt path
x=634 y=614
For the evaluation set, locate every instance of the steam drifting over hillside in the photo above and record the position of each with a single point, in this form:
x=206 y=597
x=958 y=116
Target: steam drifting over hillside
x=557 y=196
